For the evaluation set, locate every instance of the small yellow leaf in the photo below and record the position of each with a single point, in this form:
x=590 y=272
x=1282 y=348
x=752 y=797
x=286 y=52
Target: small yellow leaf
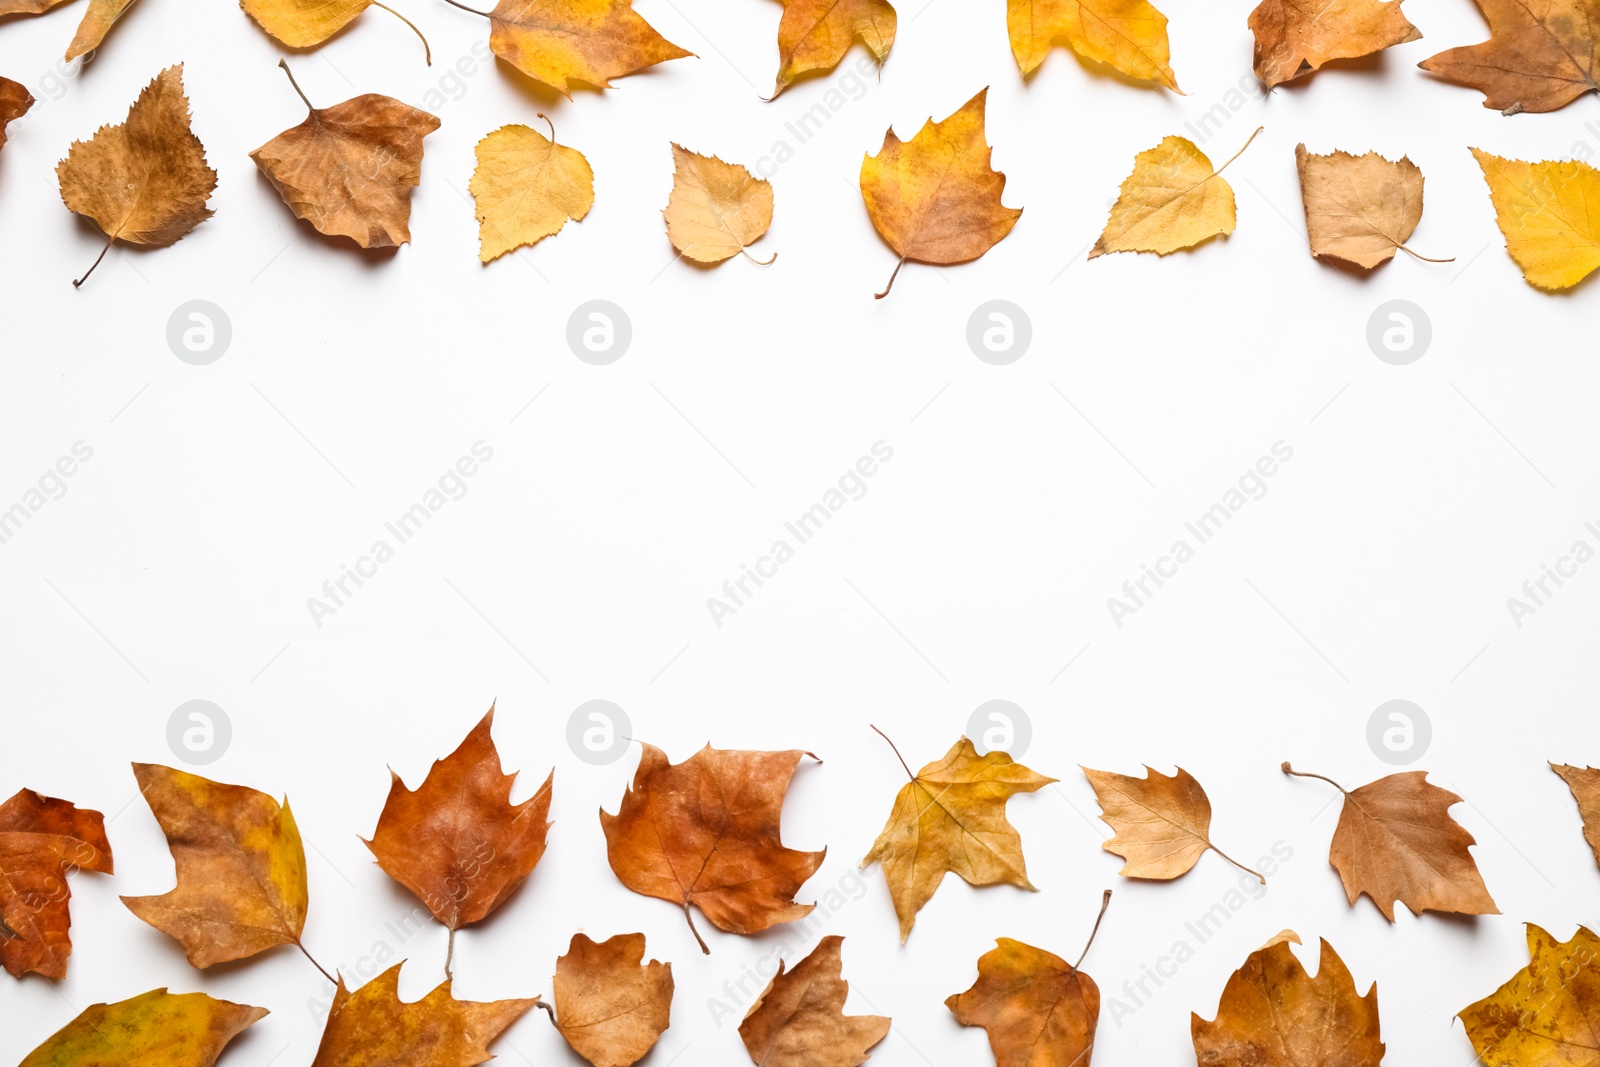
x=1172 y=200
x=815 y=34
x=716 y=209
x=1130 y=36
x=1550 y=215
x=559 y=42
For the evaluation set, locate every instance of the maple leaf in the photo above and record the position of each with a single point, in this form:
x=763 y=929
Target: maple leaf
x=1130 y=36
x=1539 y=56
x=15 y=100
x=799 y=1019
x=1038 y=1009
x=146 y=181
x=704 y=832
x=716 y=209
x=1172 y=200
x=1547 y=212
x=1396 y=841
x=373 y=1027
x=349 y=169
x=611 y=1006
x=308 y=23
x=1544 y=1015
x=456 y=841
x=1360 y=208
x=1162 y=822
x=1296 y=37
x=526 y=188
x=154 y=1029
x=1273 y=1014
x=815 y=35
x=560 y=42
x=934 y=198
x=951 y=816
x=1585 y=785
x=241 y=868
x=42 y=839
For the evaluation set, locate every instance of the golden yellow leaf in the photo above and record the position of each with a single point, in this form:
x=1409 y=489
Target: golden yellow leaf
x=716 y=209
x=934 y=198
x=559 y=42
x=1162 y=822
x=1296 y=37
x=146 y=181
x=373 y=1027
x=526 y=188
x=1130 y=36
x=1359 y=208
x=611 y=1006
x=1172 y=200
x=951 y=816
x=308 y=23
x=154 y=1029
x=1549 y=213
x=1544 y=1015
x=815 y=34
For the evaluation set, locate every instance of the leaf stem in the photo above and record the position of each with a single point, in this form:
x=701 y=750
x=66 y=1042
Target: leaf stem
x=450 y=955
x=1239 y=153
x=96 y=263
x=758 y=262
x=1259 y=876
x=897 y=755
x=892 y=277
x=427 y=50
x=1425 y=259
x=550 y=124
x=284 y=63
x=1105 y=902
x=689 y=916
x=469 y=10
x=1307 y=774
x=307 y=954
x=538 y=1002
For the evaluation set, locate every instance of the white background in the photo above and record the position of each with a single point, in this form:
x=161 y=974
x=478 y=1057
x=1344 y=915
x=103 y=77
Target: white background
x=1019 y=498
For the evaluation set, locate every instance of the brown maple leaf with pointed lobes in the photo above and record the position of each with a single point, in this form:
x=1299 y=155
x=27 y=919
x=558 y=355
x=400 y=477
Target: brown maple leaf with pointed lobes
x=241 y=868
x=15 y=100
x=42 y=839
x=799 y=1019
x=1585 y=785
x=1360 y=209
x=373 y=1027
x=349 y=169
x=935 y=198
x=1274 y=1014
x=1296 y=37
x=562 y=42
x=704 y=832
x=456 y=841
x=145 y=182
x=1162 y=822
x=1539 y=56
x=611 y=1006
x=951 y=816
x=815 y=35
x=1544 y=1015
x=1396 y=841
x=154 y=1029
x=1039 y=1010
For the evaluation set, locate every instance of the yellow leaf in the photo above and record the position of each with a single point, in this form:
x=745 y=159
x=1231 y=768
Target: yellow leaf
x=1544 y=1015
x=935 y=198
x=1550 y=215
x=1172 y=200
x=1130 y=36
x=154 y=1029
x=559 y=42
x=816 y=34
x=526 y=188
x=308 y=23
x=716 y=209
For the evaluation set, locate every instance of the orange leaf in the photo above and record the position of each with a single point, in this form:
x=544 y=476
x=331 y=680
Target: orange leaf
x=611 y=1006
x=799 y=1020
x=41 y=840
x=373 y=1027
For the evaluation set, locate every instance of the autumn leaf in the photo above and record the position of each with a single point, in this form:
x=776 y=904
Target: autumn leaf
x=526 y=188
x=1359 y=209
x=934 y=198
x=42 y=839
x=145 y=182
x=1039 y=1010
x=1129 y=36
x=309 y=23
x=15 y=100
x=241 y=868
x=349 y=169
x=716 y=209
x=1549 y=213
x=562 y=42
x=1585 y=785
x=154 y=1029
x=704 y=832
x=951 y=816
x=1539 y=57
x=1162 y=822
x=1172 y=200
x=799 y=1019
x=1294 y=38
x=456 y=841
x=373 y=1027
x=815 y=35
x=1274 y=1014
x=611 y=1006
x=1544 y=1016
x=1396 y=841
